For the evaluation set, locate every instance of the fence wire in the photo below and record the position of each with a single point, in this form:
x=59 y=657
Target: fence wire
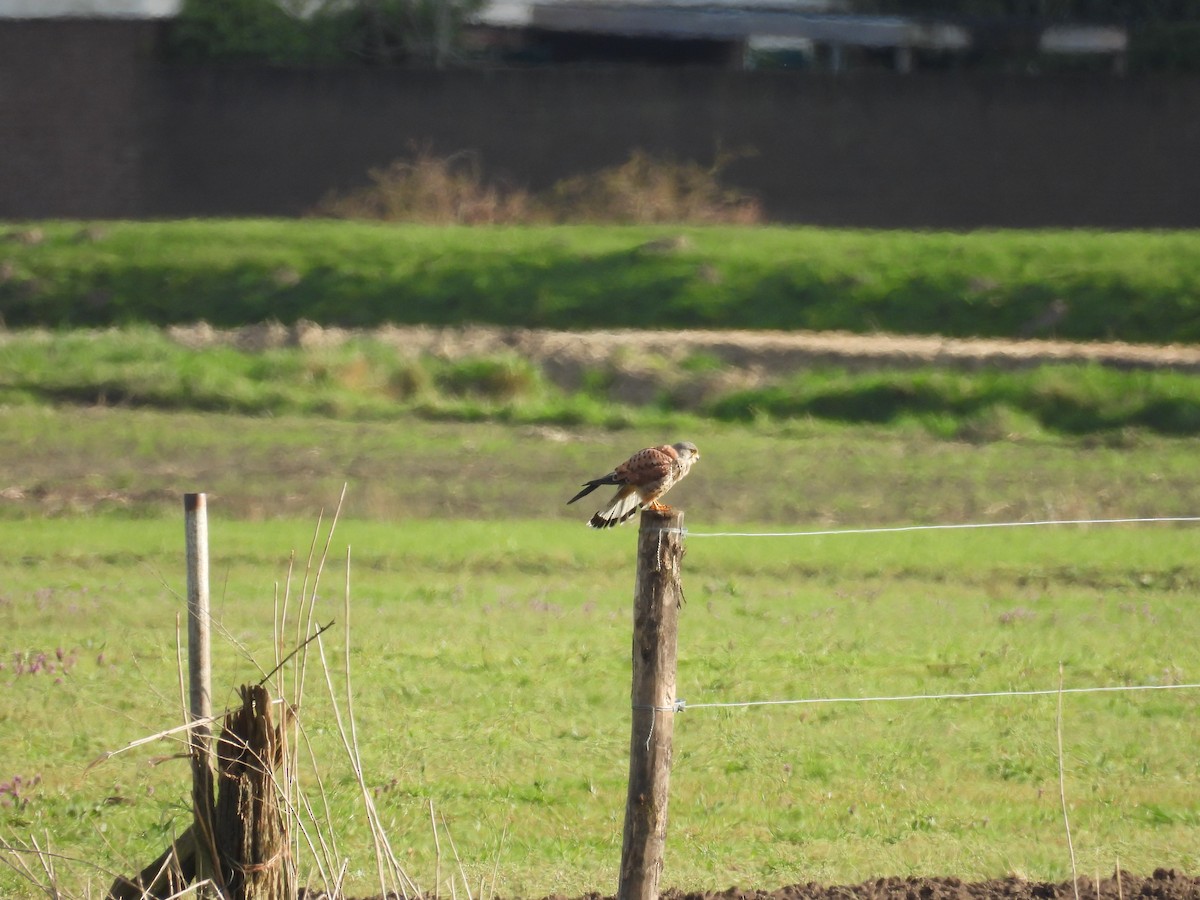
x=681 y=705
x=897 y=529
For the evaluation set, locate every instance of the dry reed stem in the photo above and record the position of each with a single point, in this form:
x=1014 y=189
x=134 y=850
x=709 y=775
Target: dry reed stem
x=326 y=855
x=453 y=849
x=46 y=863
x=1062 y=783
x=321 y=858
x=13 y=858
x=437 y=853
x=304 y=627
x=356 y=767
x=330 y=848
x=341 y=879
x=281 y=621
x=351 y=742
x=307 y=620
x=496 y=864
x=297 y=684
x=383 y=850
x=183 y=704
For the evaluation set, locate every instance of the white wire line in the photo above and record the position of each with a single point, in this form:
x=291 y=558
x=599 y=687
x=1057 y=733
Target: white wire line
x=956 y=527
x=681 y=705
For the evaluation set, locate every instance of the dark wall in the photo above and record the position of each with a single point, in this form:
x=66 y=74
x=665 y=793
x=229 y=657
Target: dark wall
x=71 y=137
x=93 y=128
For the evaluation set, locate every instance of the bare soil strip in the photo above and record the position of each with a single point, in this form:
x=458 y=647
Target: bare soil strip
x=769 y=351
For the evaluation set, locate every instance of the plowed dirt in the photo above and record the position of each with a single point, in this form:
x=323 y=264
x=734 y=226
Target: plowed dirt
x=1163 y=884
x=772 y=351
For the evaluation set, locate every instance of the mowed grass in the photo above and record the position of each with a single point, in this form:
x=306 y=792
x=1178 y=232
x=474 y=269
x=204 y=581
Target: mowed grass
x=490 y=636
x=1138 y=286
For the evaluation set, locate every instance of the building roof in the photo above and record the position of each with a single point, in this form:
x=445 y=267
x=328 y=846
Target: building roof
x=520 y=13
x=713 y=22
x=89 y=9
x=767 y=21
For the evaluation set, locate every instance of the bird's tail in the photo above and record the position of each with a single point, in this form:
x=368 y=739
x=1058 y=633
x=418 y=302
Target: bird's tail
x=622 y=508
x=590 y=486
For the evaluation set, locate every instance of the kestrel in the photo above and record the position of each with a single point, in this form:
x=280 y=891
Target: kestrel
x=641 y=480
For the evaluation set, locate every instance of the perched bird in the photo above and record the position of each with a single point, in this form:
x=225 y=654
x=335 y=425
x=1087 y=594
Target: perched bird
x=640 y=481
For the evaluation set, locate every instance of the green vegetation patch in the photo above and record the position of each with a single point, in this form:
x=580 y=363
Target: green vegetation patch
x=1078 y=285
x=985 y=404
x=365 y=378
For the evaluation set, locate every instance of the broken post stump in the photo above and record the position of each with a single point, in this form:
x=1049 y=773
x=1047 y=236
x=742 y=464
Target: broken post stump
x=251 y=839
x=253 y=842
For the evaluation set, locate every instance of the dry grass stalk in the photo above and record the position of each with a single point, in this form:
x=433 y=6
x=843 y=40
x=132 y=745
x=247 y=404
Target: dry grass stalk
x=462 y=873
x=1062 y=783
x=389 y=870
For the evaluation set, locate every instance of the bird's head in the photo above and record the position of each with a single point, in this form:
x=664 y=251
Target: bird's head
x=688 y=452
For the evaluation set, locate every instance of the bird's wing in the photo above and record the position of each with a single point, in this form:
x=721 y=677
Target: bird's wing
x=646 y=466
x=588 y=487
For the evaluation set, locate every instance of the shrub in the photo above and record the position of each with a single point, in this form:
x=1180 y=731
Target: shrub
x=432 y=190
x=491 y=379
x=647 y=190
x=443 y=190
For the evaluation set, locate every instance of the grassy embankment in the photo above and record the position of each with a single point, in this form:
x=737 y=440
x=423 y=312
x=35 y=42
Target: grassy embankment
x=1132 y=286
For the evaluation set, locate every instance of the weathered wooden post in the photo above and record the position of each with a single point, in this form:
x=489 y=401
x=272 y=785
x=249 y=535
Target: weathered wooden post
x=657 y=598
x=195 y=516
x=252 y=835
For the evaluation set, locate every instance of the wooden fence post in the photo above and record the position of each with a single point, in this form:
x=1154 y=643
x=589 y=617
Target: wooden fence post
x=195 y=513
x=657 y=599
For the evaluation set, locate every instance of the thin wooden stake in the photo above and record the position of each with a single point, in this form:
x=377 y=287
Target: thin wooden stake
x=199 y=632
x=195 y=512
x=658 y=596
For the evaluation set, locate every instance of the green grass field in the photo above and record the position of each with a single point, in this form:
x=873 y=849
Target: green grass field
x=1136 y=286
x=490 y=640
x=367 y=379
x=489 y=630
